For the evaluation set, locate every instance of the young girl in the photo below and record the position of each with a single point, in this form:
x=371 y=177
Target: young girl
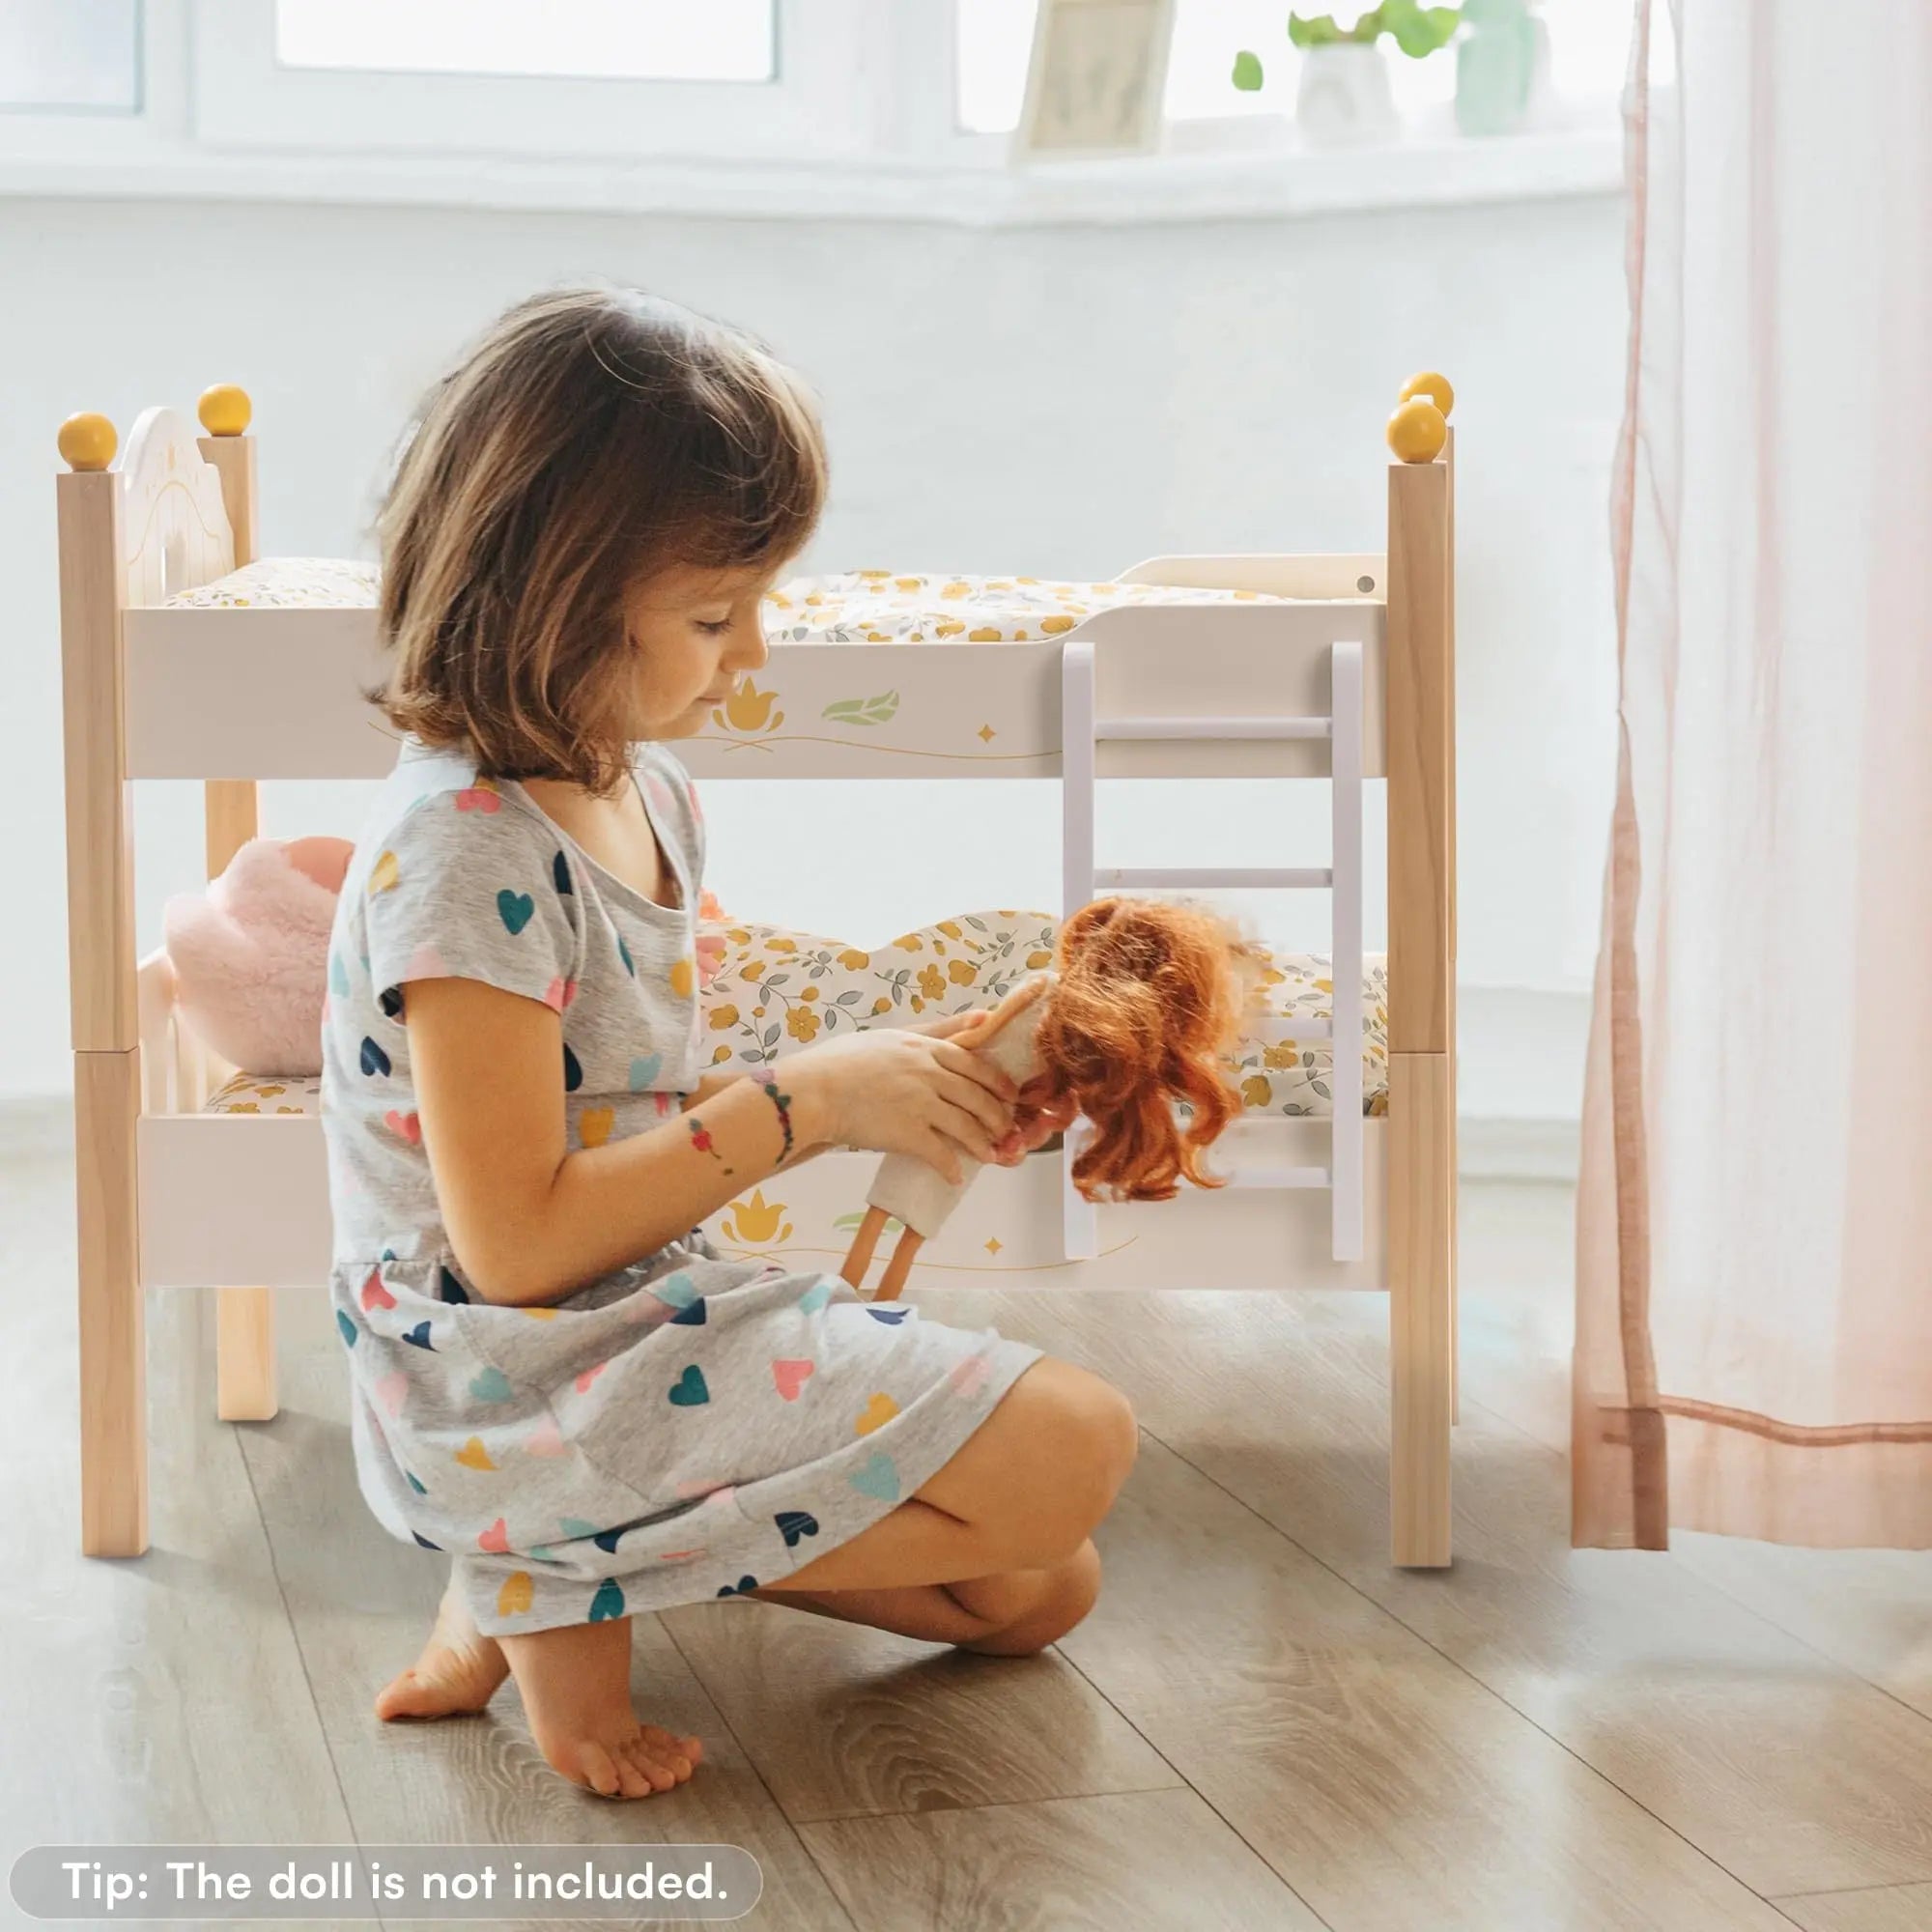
x=556 y=1378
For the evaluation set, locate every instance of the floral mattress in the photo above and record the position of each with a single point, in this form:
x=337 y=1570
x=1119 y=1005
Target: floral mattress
x=877 y=606
x=768 y=990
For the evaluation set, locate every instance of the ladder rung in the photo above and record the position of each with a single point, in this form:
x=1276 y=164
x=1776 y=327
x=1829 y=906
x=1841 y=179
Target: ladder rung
x=1214 y=727
x=1133 y=877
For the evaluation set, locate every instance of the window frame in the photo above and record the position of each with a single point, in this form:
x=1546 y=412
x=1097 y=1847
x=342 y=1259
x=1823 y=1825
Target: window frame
x=823 y=101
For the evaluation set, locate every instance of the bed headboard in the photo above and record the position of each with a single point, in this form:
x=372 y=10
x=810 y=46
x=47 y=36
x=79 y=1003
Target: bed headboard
x=175 y=531
x=174 y=527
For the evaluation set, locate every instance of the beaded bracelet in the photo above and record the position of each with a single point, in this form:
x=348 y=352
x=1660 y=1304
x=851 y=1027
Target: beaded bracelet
x=783 y=1102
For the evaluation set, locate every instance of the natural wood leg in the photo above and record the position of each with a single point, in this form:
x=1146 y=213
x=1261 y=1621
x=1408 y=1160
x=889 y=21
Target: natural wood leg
x=244 y=1354
x=245 y=1326
x=1455 y=1209
x=113 y=1344
x=1421 y=1343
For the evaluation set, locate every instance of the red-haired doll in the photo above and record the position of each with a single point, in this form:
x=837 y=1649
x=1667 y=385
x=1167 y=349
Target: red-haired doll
x=1142 y=1003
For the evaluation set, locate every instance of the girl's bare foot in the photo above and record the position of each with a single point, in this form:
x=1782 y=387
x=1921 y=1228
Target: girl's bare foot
x=458 y=1671
x=576 y=1686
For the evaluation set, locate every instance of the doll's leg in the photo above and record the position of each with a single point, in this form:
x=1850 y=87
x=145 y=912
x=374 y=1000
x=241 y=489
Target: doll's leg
x=859 y=1256
x=899 y=1266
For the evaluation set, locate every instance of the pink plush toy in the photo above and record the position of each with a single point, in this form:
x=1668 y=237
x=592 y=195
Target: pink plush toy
x=250 y=955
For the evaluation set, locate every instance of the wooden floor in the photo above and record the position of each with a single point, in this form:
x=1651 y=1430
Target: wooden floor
x=1263 y=1724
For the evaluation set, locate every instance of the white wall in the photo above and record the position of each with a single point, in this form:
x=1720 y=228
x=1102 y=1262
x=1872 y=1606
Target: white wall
x=1057 y=401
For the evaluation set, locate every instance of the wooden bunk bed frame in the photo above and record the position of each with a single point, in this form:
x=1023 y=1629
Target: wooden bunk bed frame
x=1351 y=681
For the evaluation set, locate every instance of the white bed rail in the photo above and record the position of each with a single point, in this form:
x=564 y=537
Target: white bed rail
x=1083 y=730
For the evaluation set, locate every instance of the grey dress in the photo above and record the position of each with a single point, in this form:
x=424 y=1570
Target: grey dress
x=683 y=1428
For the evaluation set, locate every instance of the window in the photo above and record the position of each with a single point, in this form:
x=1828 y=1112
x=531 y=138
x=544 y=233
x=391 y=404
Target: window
x=1589 y=44
x=75 y=54
x=553 y=81
x=895 y=108
x=602 y=39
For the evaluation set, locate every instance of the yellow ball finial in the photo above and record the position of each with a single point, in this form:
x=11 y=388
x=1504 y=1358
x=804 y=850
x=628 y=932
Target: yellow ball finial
x=1417 y=432
x=1428 y=383
x=87 y=442
x=225 y=410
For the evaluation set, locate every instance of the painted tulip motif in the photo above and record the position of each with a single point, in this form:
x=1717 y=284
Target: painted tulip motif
x=755 y=1223
x=749 y=709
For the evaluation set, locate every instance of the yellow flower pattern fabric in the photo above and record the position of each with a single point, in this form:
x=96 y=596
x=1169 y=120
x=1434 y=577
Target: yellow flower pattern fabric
x=287 y=582
x=855 y=607
x=883 y=607
x=776 y=989
x=767 y=990
x=267 y=1094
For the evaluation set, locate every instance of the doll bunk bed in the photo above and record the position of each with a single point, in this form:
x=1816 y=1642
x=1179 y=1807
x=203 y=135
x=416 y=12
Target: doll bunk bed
x=1331 y=668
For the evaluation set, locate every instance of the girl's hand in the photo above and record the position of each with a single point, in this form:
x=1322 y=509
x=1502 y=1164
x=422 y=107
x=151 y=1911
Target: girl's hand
x=945 y=1025
x=905 y=1090
x=1033 y=1123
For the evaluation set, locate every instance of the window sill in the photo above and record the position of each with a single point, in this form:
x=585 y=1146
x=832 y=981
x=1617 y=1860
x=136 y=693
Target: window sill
x=1169 y=187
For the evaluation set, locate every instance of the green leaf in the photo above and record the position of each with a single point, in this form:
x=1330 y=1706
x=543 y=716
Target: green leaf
x=877 y=710
x=1418 y=30
x=1248 y=72
x=1317 y=30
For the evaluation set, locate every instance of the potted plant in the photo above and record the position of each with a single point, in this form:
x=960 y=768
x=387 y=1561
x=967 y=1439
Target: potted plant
x=1343 y=93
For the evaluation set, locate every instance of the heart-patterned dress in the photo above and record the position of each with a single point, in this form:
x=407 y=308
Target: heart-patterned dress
x=683 y=1428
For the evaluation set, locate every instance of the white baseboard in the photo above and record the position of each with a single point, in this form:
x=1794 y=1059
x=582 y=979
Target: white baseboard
x=36 y=1123
x=1496 y=1150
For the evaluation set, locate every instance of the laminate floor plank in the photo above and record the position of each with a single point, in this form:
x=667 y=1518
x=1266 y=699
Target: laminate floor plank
x=845 y=1720
x=1785 y=1767
x=1140 y=1862
x=1890 y=1908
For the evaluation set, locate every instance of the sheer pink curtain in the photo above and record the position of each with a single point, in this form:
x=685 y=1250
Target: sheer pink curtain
x=1754 y=1220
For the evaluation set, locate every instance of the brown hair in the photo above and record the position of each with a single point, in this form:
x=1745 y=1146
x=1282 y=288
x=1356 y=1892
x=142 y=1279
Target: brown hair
x=1151 y=996
x=592 y=437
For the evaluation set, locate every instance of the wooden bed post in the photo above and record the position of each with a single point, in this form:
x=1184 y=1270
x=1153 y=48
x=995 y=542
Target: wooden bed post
x=104 y=1031
x=1422 y=1001
x=1455 y=1086
x=244 y=1335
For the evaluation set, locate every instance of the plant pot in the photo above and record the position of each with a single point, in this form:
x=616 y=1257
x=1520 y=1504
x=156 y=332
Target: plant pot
x=1344 y=96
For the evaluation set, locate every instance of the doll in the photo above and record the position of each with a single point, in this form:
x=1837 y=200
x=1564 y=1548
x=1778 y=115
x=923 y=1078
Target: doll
x=1143 y=998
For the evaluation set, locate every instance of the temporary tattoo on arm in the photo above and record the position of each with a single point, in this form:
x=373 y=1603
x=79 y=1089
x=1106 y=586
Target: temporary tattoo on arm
x=700 y=1139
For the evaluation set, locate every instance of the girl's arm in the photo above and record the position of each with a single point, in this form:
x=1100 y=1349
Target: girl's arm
x=711 y=1085
x=530 y=1219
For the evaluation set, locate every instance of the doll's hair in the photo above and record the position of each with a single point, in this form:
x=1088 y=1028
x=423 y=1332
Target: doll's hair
x=1150 y=997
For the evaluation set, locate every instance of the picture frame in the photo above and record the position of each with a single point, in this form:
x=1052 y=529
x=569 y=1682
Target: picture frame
x=1096 y=79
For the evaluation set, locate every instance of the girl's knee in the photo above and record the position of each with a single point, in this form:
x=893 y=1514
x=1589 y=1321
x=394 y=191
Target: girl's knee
x=1088 y=1441
x=1107 y=1435
x=1056 y=1601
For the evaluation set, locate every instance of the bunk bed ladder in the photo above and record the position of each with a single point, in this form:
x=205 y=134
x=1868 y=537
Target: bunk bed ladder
x=1082 y=730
